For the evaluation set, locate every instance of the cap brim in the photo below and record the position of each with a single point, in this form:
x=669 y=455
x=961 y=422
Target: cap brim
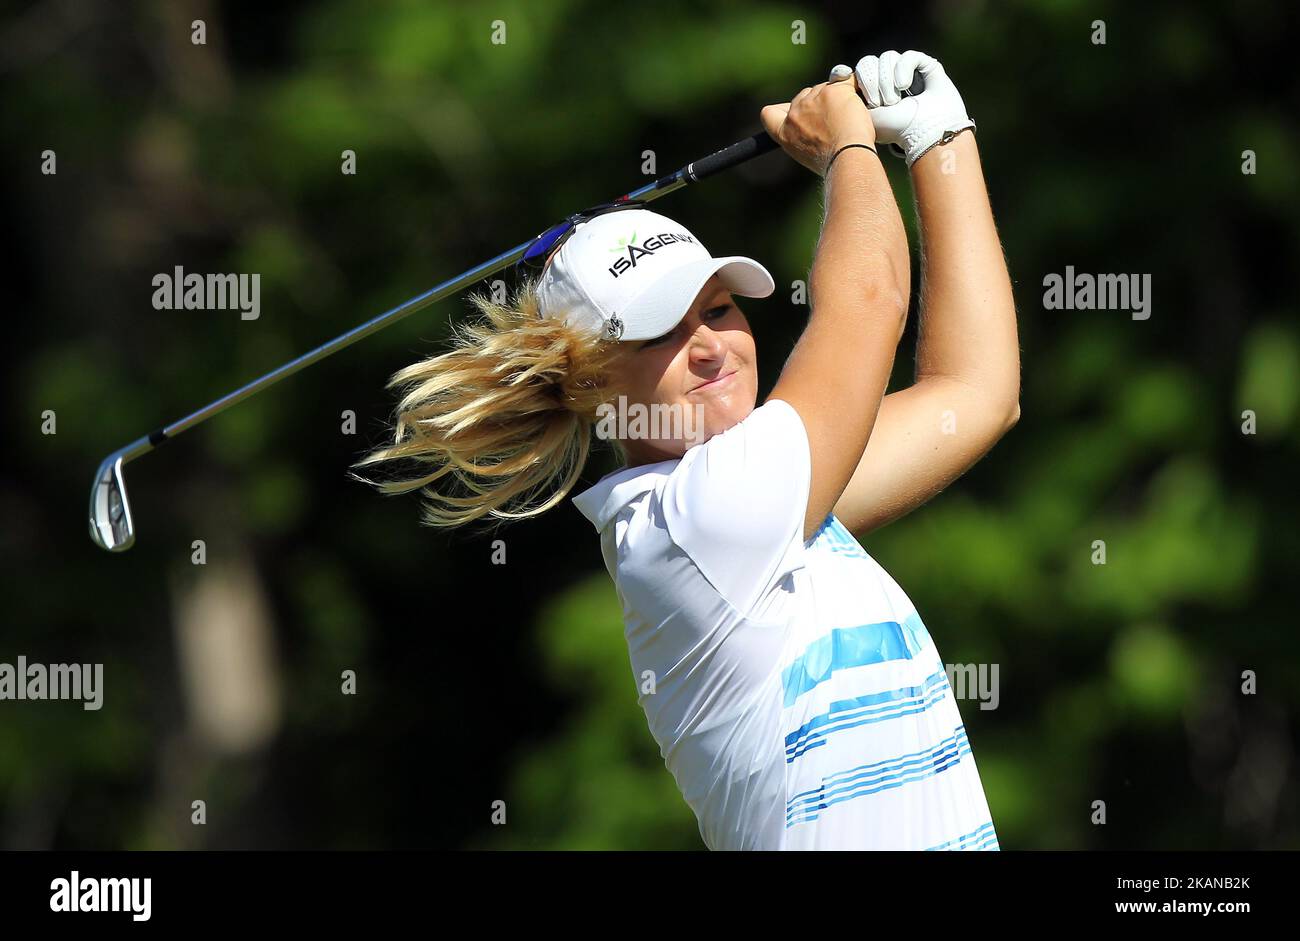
x=663 y=304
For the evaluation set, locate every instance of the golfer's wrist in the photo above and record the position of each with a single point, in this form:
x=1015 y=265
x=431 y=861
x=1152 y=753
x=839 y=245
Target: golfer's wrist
x=860 y=136
x=917 y=150
x=842 y=152
x=957 y=141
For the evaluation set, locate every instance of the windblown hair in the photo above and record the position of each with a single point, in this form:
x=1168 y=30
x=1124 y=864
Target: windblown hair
x=504 y=418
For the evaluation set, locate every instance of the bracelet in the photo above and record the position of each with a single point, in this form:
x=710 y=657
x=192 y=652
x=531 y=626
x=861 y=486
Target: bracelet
x=947 y=138
x=844 y=148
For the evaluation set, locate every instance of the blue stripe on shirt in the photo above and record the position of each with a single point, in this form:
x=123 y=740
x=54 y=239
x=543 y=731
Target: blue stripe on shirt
x=876 y=777
x=980 y=838
x=851 y=713
x=833 y=535
x=845 y=647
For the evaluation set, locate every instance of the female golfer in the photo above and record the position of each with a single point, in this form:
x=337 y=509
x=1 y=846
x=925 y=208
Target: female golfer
x=796 y=695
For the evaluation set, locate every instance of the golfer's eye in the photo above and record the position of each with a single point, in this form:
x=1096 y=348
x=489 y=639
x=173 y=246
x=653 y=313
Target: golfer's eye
x=713 y=313
x=657 y=340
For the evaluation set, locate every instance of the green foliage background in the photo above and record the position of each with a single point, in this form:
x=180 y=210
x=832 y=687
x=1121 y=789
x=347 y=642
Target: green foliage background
x=479 y=683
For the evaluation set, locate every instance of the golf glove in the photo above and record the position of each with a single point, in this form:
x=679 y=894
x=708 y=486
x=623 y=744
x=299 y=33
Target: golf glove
x=914 y=124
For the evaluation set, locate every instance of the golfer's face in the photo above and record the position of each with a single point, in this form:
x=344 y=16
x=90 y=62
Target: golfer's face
x=703 y=370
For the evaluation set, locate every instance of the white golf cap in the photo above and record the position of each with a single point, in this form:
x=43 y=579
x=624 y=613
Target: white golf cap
x=633 y=274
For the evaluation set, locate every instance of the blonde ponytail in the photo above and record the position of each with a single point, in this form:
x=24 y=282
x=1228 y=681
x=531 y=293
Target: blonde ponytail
x=504 y=418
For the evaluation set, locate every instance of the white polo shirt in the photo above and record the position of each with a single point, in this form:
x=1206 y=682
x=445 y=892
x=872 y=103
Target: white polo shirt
x=795 y=694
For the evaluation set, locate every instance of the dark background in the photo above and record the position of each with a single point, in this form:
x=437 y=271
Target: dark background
x=477 y=682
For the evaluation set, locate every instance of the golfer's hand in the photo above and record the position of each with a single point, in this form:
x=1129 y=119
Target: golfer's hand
x=918 y=123
x=818 y=121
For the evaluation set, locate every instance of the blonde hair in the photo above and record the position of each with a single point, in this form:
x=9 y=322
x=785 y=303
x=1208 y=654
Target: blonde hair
x=504 y=418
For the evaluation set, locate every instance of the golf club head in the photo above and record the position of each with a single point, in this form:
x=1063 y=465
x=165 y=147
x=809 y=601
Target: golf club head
x=110 y=513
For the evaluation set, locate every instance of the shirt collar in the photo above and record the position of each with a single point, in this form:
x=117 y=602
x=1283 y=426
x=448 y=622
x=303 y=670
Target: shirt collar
x=600 y=502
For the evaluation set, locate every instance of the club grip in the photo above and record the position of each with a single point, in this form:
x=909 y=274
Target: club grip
x=754 y=146
x=728 y=157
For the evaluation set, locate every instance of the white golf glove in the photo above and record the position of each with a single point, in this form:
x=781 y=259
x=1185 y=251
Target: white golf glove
x=917 y=123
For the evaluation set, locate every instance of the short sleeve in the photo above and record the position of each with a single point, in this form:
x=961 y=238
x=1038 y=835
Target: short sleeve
x=736 y=503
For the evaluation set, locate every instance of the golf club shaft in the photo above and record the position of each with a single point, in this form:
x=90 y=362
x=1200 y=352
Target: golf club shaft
x=693 y=172
x=111 y=523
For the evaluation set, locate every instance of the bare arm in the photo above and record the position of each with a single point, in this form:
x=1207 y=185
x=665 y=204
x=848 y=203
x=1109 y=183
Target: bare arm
x=966 y=394
x=836 y=376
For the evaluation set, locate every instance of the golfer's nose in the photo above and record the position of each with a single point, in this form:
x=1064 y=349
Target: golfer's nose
x=707 y=345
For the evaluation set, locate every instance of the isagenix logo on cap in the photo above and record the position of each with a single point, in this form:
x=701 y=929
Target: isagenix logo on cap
x=632 y=252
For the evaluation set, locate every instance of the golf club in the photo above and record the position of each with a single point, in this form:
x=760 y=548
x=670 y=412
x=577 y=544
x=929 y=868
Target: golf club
x=112 y=526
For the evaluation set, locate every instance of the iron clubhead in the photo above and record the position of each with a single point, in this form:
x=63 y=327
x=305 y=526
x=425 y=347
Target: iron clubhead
x=110 y=513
